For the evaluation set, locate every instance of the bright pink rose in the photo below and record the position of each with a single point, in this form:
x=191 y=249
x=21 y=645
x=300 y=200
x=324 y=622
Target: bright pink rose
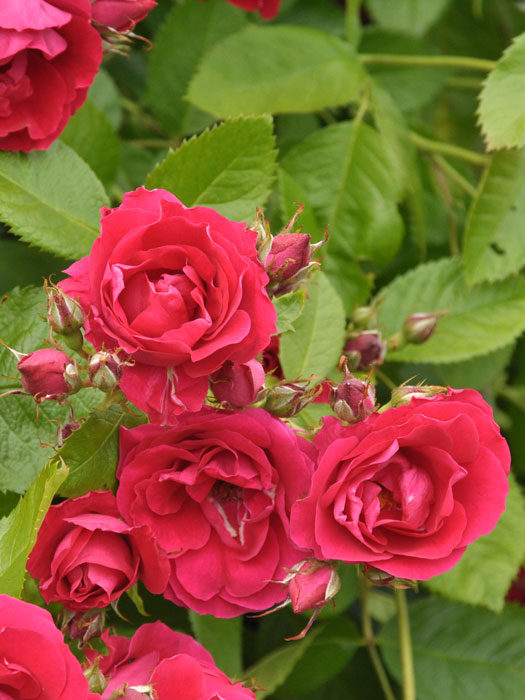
x=216 y=489
x=121 y=14
x=35 y=661
x=174 y=664
x=180 y=290
x=407 y=490
x=49 y=56
x=132 y=660
x=267 y=8
x=86 y=557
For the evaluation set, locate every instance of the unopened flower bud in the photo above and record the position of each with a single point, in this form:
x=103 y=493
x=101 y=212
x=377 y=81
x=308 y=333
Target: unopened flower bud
x=364 y=349
x=418 y=328
x=353 y=400
x=364 y=316
x=402 y=395
x=314 y=584
x=105 y=370
x=64 y=314
x=83 y=625
x=120 y=15
x=238 y=384
x=289 y=256
x=287 y=399
x=49 y=373
x=264 y=236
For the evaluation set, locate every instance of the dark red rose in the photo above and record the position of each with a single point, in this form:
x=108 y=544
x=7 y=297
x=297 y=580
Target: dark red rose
x=49 y=56
x=407 y=490
x=266 y=8
x=36 y=662
x=216 y=490
x=180 y=290
x=86 y=557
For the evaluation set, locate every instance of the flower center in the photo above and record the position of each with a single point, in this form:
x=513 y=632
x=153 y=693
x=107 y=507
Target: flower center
x=224 y=492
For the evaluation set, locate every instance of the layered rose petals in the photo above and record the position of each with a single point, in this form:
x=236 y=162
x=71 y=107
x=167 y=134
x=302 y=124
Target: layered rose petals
x=216 y=489
x=49 y=56
x=86 y=556
x=268 y=9
x=180 y=290
x=406 y=491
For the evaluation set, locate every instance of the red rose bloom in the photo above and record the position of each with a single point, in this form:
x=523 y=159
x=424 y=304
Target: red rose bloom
x=180 y=290
x=36 y=662
x=268 y=9
x=173 y=664
x=86 y=557
x=216 y=490
x=49 y=56
x=407 y=490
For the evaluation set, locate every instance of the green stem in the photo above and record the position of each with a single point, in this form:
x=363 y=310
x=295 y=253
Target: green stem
x=455 y=176
x=353 y=22
x=448 y=149
x=467 y=62
x=386 y=380
x=369 y=639
x=464 y=82
x=405 y=645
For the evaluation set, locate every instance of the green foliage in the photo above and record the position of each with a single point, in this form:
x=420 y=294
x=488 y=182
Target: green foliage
x=18 y=531
x=104 y=94
x=51 y=199
x=346 y=172
x=222 y=638
x=315 y=345
x=92 y=136
x=479 y=320
x=177 y=51
x=91 y=453
x=501 y=108
x=290 y=69
x=484 y=573
x=289 y=307
x=494 y=245
x=462 y=652
x=413 y=17
x=229 y=168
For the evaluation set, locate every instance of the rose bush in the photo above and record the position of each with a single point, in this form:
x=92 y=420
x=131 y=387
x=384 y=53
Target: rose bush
x=180 y=290
x=216 y=490
x=35 y=661
x=49 y=54
x=407 y=490
x=86 y=557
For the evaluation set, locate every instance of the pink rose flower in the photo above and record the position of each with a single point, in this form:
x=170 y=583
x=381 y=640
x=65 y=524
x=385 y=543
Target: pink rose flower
x=36 y=662
x=173 y=664
x=407 y=490
x=216 y=490
x=86 y=556
x=49 y=54
x=180 y=290
x=121 y=14
x=268 y=9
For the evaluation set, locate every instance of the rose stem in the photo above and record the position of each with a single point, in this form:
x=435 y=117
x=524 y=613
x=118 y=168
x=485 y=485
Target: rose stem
x=369 y=639
x=405 y=644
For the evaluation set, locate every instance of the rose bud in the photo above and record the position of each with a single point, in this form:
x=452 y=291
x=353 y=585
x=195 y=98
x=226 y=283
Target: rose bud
x=105 y=370
x=49 y=373
x=353 y=400
x=83 y=626
x=418 y=328
x=314 y=584
x=364 y=349
x=64 y=314
x=120 y=15
x=288 y=260
x=238 y=383
x=288 y=399
x=402 y=395
x=364 y=316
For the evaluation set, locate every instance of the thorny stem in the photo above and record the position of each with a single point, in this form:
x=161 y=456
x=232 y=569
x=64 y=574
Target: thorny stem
x=448 y=149
x=467 y=62
x=405 y=646
x=455 y=176
x=369 y=639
